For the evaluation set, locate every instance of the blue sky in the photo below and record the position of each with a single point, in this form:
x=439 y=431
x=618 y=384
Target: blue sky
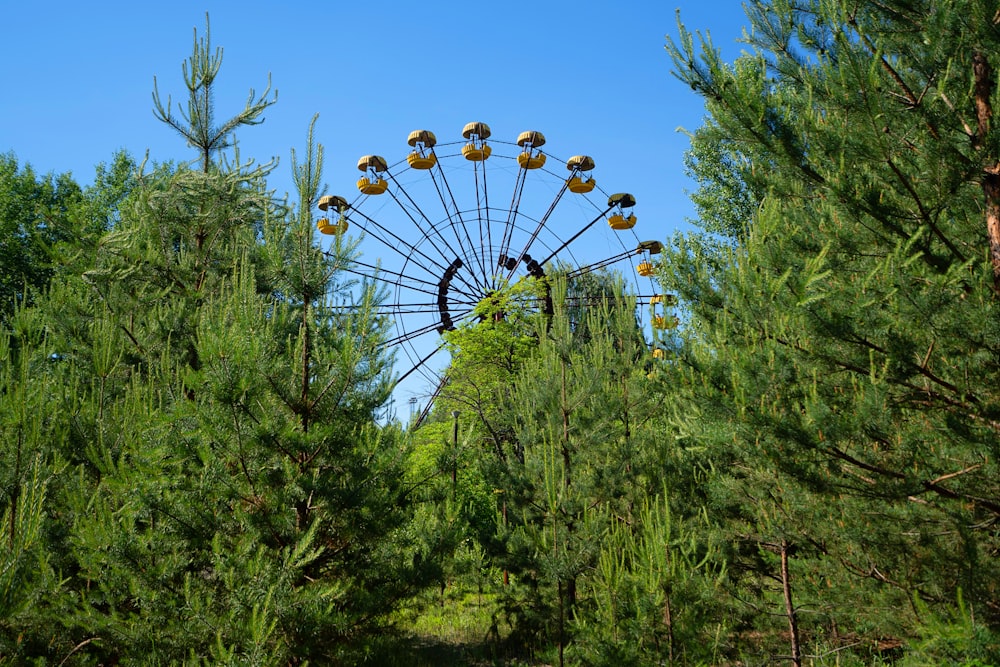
x=592 y=76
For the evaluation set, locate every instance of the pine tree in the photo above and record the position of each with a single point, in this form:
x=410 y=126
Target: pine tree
x=30 y=572
x=198 y=124
x=847 y=339
x=654 y=593
x=575 y=412
x=195 y=435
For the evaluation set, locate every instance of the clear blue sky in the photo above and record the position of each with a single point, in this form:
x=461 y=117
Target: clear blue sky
x=593 y=76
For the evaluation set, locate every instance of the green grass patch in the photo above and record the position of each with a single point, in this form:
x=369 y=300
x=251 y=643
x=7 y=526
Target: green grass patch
x=456 y=627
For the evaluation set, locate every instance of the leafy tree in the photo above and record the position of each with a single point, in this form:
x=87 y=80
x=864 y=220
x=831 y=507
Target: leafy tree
x=487 y=352
x=34 y=217
x=99 y=213
x=731 y=183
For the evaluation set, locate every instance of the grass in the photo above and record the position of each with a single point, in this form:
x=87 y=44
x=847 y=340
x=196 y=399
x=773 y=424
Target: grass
x=456 y=627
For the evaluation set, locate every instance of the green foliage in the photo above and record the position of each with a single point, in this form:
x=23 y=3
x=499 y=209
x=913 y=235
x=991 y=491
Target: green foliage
x=654 y=592
x=731 y=184
x=840 y=356
x=572 y=462
x=564 y=444
x=35 y=216
x=488 y=351
x=27 y=576
x=952 y=637
x=192 y=471
x=198 y=124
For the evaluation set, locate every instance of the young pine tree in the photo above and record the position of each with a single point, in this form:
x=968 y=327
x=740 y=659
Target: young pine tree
x=576 y=413
x=196 y=435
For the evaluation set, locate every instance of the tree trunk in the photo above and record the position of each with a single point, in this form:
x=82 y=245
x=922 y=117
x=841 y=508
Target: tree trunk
x=668 y=621
x=991 y=192
x=793 y=625
x=562 y=628
x=983 y=90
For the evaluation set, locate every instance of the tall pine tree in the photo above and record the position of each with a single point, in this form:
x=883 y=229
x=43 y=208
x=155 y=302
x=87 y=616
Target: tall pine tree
x=847 y=338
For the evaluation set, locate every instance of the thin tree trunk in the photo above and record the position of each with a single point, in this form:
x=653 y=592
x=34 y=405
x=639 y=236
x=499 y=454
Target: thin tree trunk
x=567 y=477
x=668 y=617
x=562 y=634
x=991 y=192
x=567 y=467
x=16 y=492
x=506 y=572
x=668 y=621
x=302 y=505
x=793 y=625
x=454 y=457
x=306 y=360
x=567 y=461
x=983 y=89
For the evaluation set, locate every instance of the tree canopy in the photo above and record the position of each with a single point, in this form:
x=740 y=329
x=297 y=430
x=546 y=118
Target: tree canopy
x=846 y=338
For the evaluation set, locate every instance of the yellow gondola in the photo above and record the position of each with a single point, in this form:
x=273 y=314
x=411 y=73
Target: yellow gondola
x=335 y=203
x=339 y=227
x=477 y=134
x=529 y=161
x=373 y=183
x=476 y=154
x=423 y=157
x=531 y=140
x=576 y=183
x=662 y=322
x=645 y=269
x=370 y=187
x=619 y=222
x=665 y=299
x=418 y=161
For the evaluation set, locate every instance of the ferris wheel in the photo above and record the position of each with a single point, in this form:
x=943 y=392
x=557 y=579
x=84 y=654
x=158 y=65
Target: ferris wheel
x=452 y=223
